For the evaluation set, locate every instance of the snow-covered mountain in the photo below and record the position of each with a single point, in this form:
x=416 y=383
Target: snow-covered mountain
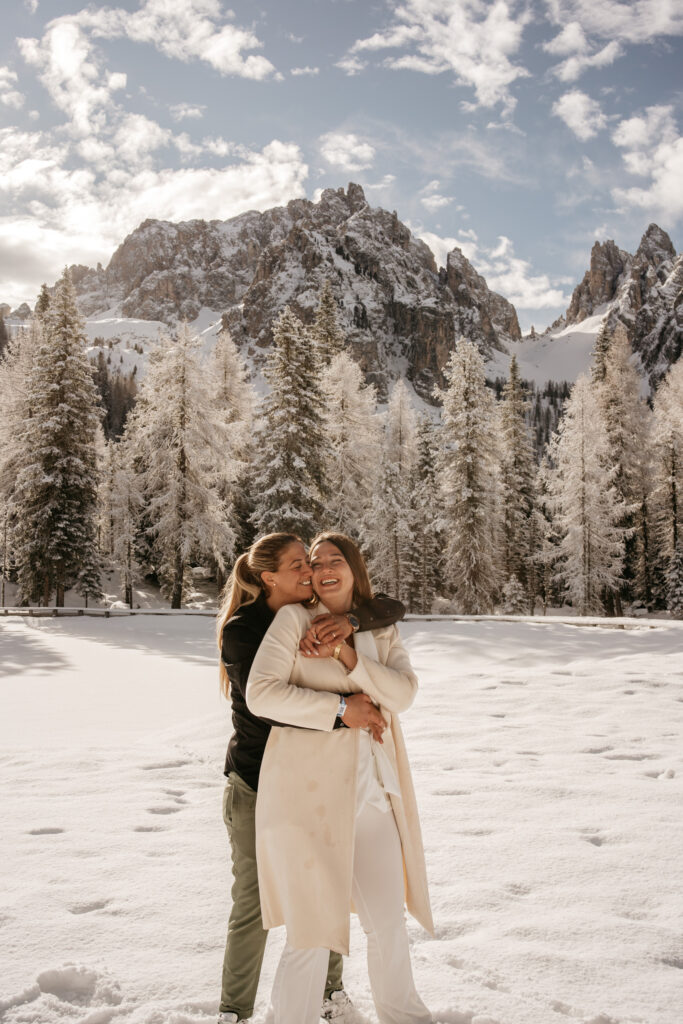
x=401 y=313
x=644 y=292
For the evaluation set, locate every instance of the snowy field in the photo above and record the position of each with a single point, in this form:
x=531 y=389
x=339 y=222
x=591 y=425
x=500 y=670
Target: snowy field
x=549 y=769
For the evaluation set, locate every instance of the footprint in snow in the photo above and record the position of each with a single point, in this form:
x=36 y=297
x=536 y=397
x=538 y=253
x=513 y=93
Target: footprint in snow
x=668 y=774
x=163 y=810
x=594 y=840
x=149 y=828
x=45 y=831
x=76 y=983
x=161 y=765
x=88 y=908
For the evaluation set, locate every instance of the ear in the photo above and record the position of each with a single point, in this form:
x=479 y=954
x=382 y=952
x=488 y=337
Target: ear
x=268 y=580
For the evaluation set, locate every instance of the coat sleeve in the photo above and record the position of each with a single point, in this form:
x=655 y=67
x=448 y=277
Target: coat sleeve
x=393 y=684
x=379 y=611
x=269 y=691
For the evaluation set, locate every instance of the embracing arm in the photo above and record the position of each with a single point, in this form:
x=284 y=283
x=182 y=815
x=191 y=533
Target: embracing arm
x=393 y=684
x=379 y=611
x=270 y=694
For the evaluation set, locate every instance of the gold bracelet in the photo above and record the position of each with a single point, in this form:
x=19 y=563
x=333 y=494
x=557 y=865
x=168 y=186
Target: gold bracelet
x=337 y=651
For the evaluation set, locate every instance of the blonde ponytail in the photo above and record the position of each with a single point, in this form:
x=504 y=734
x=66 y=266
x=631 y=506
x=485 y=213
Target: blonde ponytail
x=244 y=584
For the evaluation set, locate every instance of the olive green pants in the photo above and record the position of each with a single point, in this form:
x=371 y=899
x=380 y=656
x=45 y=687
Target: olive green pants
x=246 y=936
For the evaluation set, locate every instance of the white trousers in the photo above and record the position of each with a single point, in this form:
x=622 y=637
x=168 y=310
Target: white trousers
x=378 y=897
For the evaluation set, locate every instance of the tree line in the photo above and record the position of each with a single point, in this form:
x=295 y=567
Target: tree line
x=455 y=513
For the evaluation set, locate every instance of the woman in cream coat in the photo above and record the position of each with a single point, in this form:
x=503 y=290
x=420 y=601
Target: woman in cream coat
x=336 y=817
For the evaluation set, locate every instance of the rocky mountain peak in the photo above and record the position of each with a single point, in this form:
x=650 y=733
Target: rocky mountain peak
x=655 y=247
x=643 y=294
x=599 y=284
x=401 y=315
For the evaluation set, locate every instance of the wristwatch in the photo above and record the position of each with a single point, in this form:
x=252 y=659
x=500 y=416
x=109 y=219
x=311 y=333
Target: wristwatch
x=353 y=621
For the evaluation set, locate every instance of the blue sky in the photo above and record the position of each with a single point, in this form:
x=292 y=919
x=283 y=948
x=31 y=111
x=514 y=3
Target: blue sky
x=519 y=130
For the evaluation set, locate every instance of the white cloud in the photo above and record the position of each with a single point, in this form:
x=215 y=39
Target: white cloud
x=472 y=40
x=72 y=74
x=187 y=111
x=346 y=150
x=31 y=6
x=431 y=198
x=56 y=214
x=573 y=67
x=351 y=65
x=652 y=148
x=385 y=182
x=581 y=113
x=505 y=273
x=9 y=96
x=634 y=21
x=297 y=72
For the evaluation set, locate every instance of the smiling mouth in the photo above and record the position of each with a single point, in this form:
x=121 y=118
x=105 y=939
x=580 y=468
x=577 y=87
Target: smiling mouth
x=328 y=583
x=305 y=583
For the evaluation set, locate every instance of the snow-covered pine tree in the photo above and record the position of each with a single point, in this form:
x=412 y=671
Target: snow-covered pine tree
x=602 y=343
x=234 y=400
x=517 y=477
x=55 y=534
x=626 y=419
x=586 y=507
x=15 y=370
x=43 y=304
x=288 y=475
x=674 y=583
x=667 y=498
x=389 y=529
x=467 y=474
x=427 y=545
x=352 y=432
x=126 y=503
x=177 y=442
x=326 y=329
x=515 y=600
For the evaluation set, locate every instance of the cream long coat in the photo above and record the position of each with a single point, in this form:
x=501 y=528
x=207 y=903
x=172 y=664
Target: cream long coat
x=306 y=806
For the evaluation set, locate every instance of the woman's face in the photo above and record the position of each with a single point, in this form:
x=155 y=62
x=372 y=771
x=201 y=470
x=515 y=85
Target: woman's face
x=332 y=576
x=292 y=581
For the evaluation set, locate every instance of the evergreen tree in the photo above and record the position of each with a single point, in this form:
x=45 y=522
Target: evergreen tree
x=177 y=442
x=234 y=401
x=389 y=527
x=126 y=503
x=55 y=535
x=667 y=497
x=515 y=598
x=587 y=510
x=352 y=433
x=288 y=476
x=626 y=419
x=4 y=336
x=602 y=344
x=467 y=473
x=427 y=544
x=327 y=332
x=15 y=373
x=674 y=583
x=517 y=473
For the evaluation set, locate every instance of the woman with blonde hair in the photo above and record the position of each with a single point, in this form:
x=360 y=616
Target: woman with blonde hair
x=336 y=817
x=273 y=573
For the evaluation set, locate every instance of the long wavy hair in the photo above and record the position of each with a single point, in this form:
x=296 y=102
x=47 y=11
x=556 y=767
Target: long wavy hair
x=245 y=584
x=362 y=587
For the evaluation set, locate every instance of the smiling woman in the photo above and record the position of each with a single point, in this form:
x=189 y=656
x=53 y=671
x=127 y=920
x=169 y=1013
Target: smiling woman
x=272 y=575
x=336 y=816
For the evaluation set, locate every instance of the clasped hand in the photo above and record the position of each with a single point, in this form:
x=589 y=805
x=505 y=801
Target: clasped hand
x=319 y=641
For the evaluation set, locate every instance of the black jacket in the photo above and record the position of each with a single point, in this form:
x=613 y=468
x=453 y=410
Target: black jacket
x=242 y=635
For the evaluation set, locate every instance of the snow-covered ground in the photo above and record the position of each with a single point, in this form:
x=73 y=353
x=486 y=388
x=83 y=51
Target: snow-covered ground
x=549 y=770
x=555 y=355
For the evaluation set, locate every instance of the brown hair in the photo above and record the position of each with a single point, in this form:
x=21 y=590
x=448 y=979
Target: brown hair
x=245 y=584
x=362 y=587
